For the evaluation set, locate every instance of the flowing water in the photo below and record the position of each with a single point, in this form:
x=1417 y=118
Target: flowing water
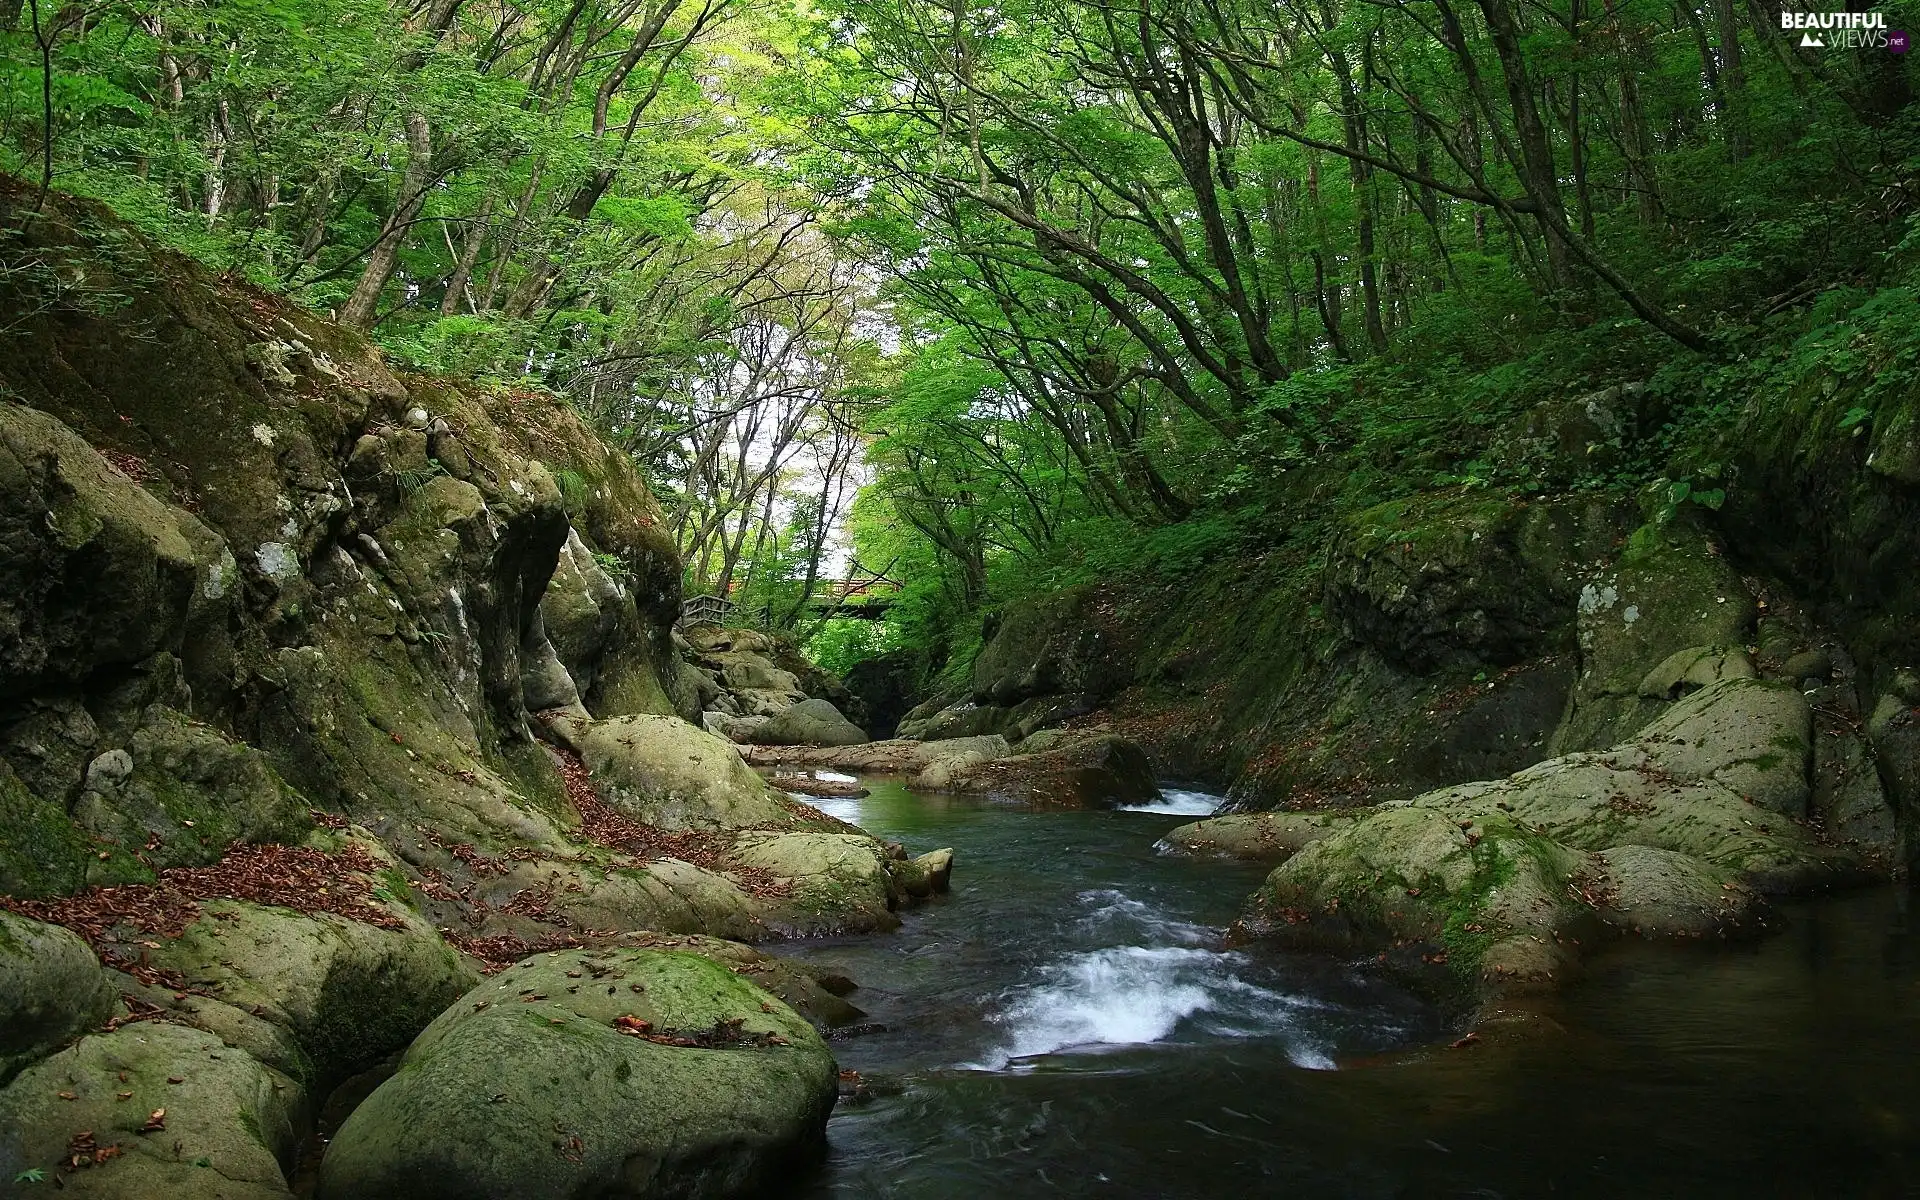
x=1067 y=1023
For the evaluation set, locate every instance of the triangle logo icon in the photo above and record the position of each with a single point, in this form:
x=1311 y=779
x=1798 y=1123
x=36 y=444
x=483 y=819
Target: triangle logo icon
x=1807 y=39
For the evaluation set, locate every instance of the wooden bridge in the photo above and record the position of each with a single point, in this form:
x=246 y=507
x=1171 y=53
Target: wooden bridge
x=862 y=600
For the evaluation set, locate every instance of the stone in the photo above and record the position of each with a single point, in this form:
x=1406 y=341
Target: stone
x=1678 y=831
x=1694 y=668
x=841 y=881
x=98 y=573
x=748 y=671
x=227 y=1125
x=808 y=723
x=347 y=993
x=1660 y=893
x=1256 y=837
x=1814 y=664
x=52 y=990
x=1050 y=644
x=549 y=1098
x=664 y=772
x=1670 y=591
x=1102 y=771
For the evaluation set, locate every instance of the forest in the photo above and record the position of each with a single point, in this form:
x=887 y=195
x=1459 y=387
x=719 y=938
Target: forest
x=917 y=598
x=981 y=299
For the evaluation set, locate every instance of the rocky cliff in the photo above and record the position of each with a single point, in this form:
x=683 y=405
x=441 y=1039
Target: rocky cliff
x=326 y=690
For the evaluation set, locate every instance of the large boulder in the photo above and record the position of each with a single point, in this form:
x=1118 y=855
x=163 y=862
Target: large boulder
x=1101 y=771
x=97 y=573
x=338 y=995
x=1648 y=629
x=150 y=1110
x=664 y=772
x=52 y=990
x=1678 y=831
x=609 y=1073
x=808 y=723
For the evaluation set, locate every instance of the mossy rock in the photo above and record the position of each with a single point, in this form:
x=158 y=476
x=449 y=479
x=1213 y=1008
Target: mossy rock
x=1660 y=893
x=525 y=1088
x=52 y=989
x=189 y=793
x=230 y=1123
x=349 y=993
x=98 y=572
x=808 y=723
x=1256 y=837
x=1671 y=591
x=41 y=852
x=664 y=772
x=841 y=881
x=1057 y=643
x=1101 y=771
x=1487 y=898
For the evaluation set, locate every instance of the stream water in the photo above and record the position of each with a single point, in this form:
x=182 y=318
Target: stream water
x=1067 y=1023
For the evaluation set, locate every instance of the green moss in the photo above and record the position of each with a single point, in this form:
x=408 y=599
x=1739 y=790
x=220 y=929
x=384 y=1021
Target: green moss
x=41 y=853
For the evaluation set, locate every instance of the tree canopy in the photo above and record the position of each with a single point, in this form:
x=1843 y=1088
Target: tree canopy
x=1054 y=289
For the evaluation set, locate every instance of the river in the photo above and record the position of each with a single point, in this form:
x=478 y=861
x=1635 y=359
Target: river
x=1067 y=1023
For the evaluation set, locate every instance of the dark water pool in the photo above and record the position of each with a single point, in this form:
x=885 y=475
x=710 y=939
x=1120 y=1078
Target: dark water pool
x=1065 y=1023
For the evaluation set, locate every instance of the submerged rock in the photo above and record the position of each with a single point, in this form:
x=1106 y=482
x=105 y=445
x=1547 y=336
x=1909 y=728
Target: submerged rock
x=620 y=1072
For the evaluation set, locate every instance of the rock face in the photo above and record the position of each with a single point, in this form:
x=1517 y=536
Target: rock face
x=629 y=1073
x=1675 y=832
x=264 y=598
x=808 y=723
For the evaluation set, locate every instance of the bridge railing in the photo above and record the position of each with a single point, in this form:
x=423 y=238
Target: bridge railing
x=704 y=610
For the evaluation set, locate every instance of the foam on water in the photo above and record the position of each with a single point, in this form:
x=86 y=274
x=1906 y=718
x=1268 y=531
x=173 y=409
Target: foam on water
x=1129 y=995
x=1180 y=802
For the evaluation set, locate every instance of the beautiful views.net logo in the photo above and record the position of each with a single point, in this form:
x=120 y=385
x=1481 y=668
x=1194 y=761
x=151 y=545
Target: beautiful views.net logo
x=1845 y=31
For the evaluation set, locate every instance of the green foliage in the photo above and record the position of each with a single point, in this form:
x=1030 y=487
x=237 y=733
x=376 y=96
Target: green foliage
x=837 y=644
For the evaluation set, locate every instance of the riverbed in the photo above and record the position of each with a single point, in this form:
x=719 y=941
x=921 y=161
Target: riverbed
x=1068 y=1022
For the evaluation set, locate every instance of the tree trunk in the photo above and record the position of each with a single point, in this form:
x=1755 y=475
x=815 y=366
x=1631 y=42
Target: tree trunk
x=359 y=309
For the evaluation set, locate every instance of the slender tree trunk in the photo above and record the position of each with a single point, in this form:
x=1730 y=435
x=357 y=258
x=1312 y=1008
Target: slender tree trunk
x=360 y=307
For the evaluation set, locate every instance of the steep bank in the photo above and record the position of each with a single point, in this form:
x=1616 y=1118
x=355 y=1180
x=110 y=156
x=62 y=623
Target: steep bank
x=1393 y=662
x=324 y=691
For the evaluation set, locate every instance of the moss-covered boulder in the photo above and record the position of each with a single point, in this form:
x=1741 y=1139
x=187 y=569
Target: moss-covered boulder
x=1660 y=893
x=840 y=882
x=346 y=992
x=611 y=1073
x=1679 y=831
x=182 y=791
x=1492 y=896
x=1257 y=837
x=1101 y=771
x=667 y=773
x=52 y=989
x=151 y=1109
x=808 y=723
